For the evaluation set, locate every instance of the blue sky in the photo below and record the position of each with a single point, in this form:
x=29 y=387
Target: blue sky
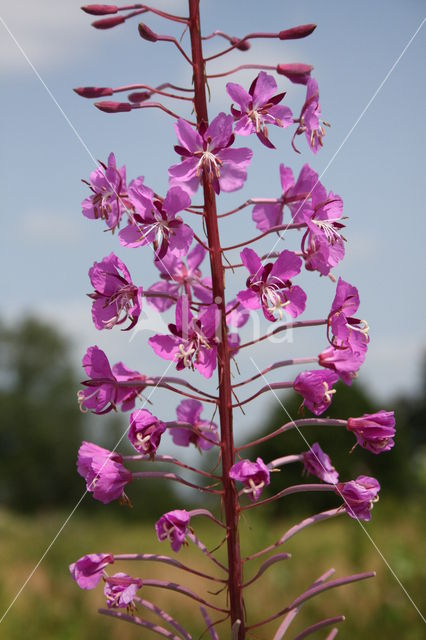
x=47 y=246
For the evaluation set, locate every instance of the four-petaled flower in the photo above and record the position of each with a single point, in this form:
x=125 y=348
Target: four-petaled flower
x=359 y=496
x=202 y=433
x=269 y=287
x=103 y=471
x=193 y=341
x=115 y=298
x=120 y=591
x=259 y=107
x=316 y=389
x=346 y=330
x=207 y=153
x=310 y=122
x=345 y=361
x=173 y=526
x=255 y=476
x=374 y=431
x=109 y=199
x=318 y=463
x=88 y=570
x=145 y=431
x=154 y=221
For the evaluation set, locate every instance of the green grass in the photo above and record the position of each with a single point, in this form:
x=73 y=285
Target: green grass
x=51 y=606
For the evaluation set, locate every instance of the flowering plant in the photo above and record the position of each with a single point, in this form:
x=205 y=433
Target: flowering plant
x=202 y=337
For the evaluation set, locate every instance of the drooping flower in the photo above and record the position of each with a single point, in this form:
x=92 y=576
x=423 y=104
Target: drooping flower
x=173 y=526
x=201 y=433
x=318 y=463
x=346 y=330
x=106 y=387
x=310 y=122
x=259 y=107
x=269 y=287
x=88 y=570
x=255 y=476
x=115 y=297
x=345 y=361
x=109 y=199
x=120 y=591
x=374 y=431
x=316 y=389
x=145 y=431
x=193 y=341
x=294 y=195
x=179 y=278
x=236 y=315
x=103 y=471
x=359 y=496
x=154 y=221
x=207 y=152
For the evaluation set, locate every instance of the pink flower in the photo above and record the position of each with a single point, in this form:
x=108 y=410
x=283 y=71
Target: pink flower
x=109 y=199
x=346 y=329
x=258 y=108
x=173 y=526
x=201 y=433
x=359 y=496
x=316 y=389
x=208 y=150
x=120 y=591
x=107 y=388
x=154 y=221
x=254 y=475
x=345 y=361
x=236 y=315
x=374 y=431
x=310 y=122
x=88 y=570
x=318 y=463
x=269 y=287
x=115 y=298
x=192 y=342
x=145 y=431
x=179 y=278
x=103 y=471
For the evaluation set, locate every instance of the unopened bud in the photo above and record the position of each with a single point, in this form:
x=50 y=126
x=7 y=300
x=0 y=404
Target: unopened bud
x=242 y=45
x=139 y=96
x=146 y=33
x=302 y=31
x=94 y=92
x=113 y=107
x=99 y=9
x=108 y=23
x=296 y=72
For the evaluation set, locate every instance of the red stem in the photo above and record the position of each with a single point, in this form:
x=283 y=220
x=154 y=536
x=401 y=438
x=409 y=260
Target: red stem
x=295 y=424
x=281 y=227
x=261 y=67
x=285 y=327
x=230 y=497
x=249 y=36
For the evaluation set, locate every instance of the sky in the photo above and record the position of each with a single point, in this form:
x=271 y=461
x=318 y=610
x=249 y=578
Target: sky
x=373 y=157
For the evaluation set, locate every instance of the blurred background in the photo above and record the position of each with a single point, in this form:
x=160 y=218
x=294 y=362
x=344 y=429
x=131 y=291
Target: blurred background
x=47 y=248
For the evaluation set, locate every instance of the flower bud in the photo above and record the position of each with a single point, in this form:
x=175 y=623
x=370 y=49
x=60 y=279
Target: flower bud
x=113 y=107
x=242 y=45
x=99 y=9
x=296 y=72
x=108 y=23
x=139 y=96
x=146 y=33
x=93 y=92
x=301 y=31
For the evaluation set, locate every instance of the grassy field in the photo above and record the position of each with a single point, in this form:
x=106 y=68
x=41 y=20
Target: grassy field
x=52 y=607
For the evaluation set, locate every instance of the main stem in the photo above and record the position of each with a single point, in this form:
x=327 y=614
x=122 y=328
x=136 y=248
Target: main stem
x=230 y=498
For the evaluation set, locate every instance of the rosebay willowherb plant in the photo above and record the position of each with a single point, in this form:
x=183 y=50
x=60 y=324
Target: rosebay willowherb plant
x=211 y=159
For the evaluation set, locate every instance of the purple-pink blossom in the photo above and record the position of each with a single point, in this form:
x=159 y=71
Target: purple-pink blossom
x=255 y=476
x=345 y=361
x=346 y=330
x=120 y=591
x=207 y=153
x=310 y=122
x=318 y=463
x=323 y=245
x=173 y=526
x=192 y=342
x=374 y=431
x=359 y=496
x=106 y=388
x=154 y=221
x=258 y=108
x=115 y=297
x=316 y=387
x=103 y=471
x=109 y=199
x=88 y=570
x=269 y=286
x=201 y=433
x=145 y=431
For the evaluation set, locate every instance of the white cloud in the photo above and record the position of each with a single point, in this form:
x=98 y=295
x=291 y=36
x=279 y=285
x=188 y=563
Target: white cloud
x=49 y=228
